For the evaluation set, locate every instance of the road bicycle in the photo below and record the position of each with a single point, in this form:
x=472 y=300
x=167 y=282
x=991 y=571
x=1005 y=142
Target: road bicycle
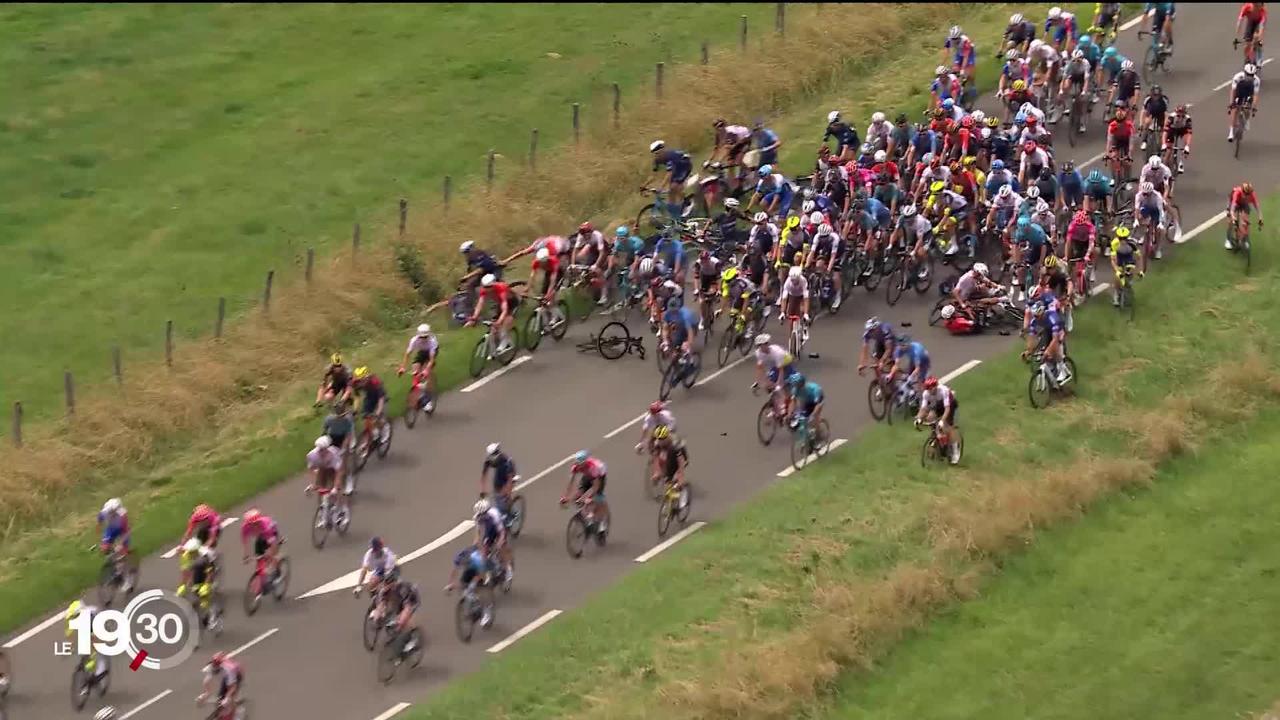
x=742 y=329
x=676 y=504
x=546 y=319
x=770 y=417
x=513 y=511
x=329 y=515
x=808 y=441
x=85 y=679
x=683 y=371
x=1124 y=291
x=1043 y=384
x=658 y=217
x=614 y=341
x=477 y=597
x=400 y=647
x=582 y=526
x=1252 y=49
x=118 y=576
x=909 y=273
x=375 y=437
x=262 y=582
x=419 y=400
x=940 y=447
x=1156 y=57
x=1241 y=124
x=372 y=625
x=486 y=350
x=1240 y=240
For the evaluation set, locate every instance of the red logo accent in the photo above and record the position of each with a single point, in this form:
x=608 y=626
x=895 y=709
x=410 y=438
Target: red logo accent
x=137 y=661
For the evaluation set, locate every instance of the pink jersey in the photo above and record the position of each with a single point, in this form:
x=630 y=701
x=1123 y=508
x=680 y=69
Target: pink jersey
x=592 y=468
x=262 y=526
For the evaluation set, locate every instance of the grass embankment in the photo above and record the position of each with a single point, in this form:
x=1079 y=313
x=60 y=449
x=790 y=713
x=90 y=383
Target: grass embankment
x=253 y=389
x=770 y=612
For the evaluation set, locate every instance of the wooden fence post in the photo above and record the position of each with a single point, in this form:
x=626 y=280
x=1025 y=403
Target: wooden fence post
x=222 y=315
x=355 y=239
x=617 y=104
x=448 y=191
x=533 y=149
x=168 y=343
x=266 y=292
x=311 y=261
x=69 y=390
x=404 y=214
x=706 y=53
x=577 y=123
x=489 y=170
x=742 y=35
x=658 y=69
x=116 y=365
x=781 y=21
x=17 y=424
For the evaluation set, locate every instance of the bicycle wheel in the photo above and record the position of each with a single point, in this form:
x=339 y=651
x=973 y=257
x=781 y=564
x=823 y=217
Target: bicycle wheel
x=650 y=218
x=370 y=628
x=389 y=658
x=692 y=372
x=728 y=340
x=465 y=617
x=516 y=511
x=384 y=447
x=668 y=382
x=253 y=594
x=929 y=454
x=79 y=687
x=872 y=281
x=822 y=439
x=766 y=423
x=506 y=357
x=362 y=451
x=682 y=514
x=897 y=283
x=411 y=409
x=666 y=510
x=319 y=527
x=613 y=340
x=280 y=585
x=935 y=315
x=923 y=279
x=479 y=356
x=533 y=330
x=799 y=448
x=877 y=399
x=1039 y=389
x=560 y=320
x=575 y=536
x=1150 y=60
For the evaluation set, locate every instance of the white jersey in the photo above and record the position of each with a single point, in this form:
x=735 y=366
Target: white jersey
x=917 y=226
x=1039 y=158
x=1158 y=175
x=769 y=228
x=772 y=356
x=878 y=130
x=423 y=343
x=1044 y=54
x=373 y=564
x=1240 y=77
x=1038 y=134
x=736 y=133
x=940 y=395
x=797 y=286
x=1010 y=201
x=1149 y=200
x=652 y=421
x=1028 y=109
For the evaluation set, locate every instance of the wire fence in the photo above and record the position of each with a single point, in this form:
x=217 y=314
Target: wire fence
x=491 y=169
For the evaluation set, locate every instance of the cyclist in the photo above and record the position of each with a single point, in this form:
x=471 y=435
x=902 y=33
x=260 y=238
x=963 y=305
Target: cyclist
x=845 y=135
x=340 y=425
x=1076 y=73
x=1126 y=86
x=1149 y=209
x=658 y=416
x=479 y=264
x=424 y=346
x=553 y=270
x=1158 y=174
x=940 y=401
x=730 y=143
x=795 y=295
x=1151 y=116
x=737 y=291
x=325 y=464
x=707 y=268
x=491 y=538
x=671 y=457
x=773 y=364
x=912 y=232
x=975 y=292
x=470 y=567
x=1162 y=14
x=767 y=142
x=1097 y=191
x=1044 y=62
x=1037 y=245
x=1070 y=186
x=804 y=400
x=1082 y=238
x=679 y=327
x=1253 y=21
x=1019 y=32
x=266 y=537
x=196 y=566
x=964 y=56
x=1242 y=198
x=911 y=357
x=956 y=323
x=91 y=664
x=1106 y=17
x=113 y=523
x=504 y=476
x=1061 y=27
x=727 y=223
x=1092 y=55
x=877 y=343
x=378 y=564
x=1246 y=88
x=1053 y=279
x=1045 y=328
x=1124 y=253
x=628 y=248
x=406 y=596
x=1177 y=126
x=508 y=302
x=591 y=475
x=1015 y=68
x=773 y=192
x=1034 y=159
x=1120 y=135
x=227 y=675
x=670 y=251
x=203 y=519
x=677 y=166
x=591 y=251
x=373 y=398
x=336 y=381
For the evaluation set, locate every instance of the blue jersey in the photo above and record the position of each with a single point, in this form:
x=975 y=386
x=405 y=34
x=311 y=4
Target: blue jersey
x=875 y=214
x=1092 y=53
x=926 y=141
x=1050 y=321
x=1071 y=181
x=1032 y=234
x=470 y=559
x=809 y=394
x=913 y=354
x=670 y=250
x=504 y=470
x=1112 y=66
x=765 y=137
x=824 y=204
x=680 y=318
x=1098 y=188
x=881 y=332
x=115 y=527
x=997 y=180
x=485 y=262
x=672 y=160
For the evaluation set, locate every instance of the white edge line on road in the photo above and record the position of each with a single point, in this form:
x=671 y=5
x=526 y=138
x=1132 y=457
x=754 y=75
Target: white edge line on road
x=959 y=371
x=348 y=581
x=1100 y=288
x=33 y=632
x=526 y=483
x=225 y=522
x=1132 y=21
x=547 y=617
x=1202 y=227
x=146 y=705
x=619 y=430
x=395 y=710
x=671 y=541
x=497 y=374
x=722 y=370
x=253 y=642
x=812 y=457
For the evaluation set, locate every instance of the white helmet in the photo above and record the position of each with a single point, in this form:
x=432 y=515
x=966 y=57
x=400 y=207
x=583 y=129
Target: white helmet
x=1035 y=45
x=762 y=339
x=825 y=229
x=794 y=271
x=760 y=217
x=881 y=155
x=646 y=266
x=908 y=210
x=833 y=116
x=424 y=330
x=1011 y=54
x=815 y=218
x=466 y=246
x=877 y=117
x=1033 y=192
x=106 y=713
x=542 y=254
x=1250 y=69
x=940 y=70
x=191 y=545
x=1005 y=190
x=1126 y=65
x=808 y=207
x=1055 y=12
x=948 y=312
x=323 y=442
x=656 y=145
x=1015 y=18
x=731 y=203
x=491 y=450
x=978 y=117
x=1147 y=187
x=1042 y=206
x=981 y=269
x=1077 y=55
x=809 y=193
x=488 y=280
x=112 y=505
x=481 y=507
x=1154 y=162
x=954 y=32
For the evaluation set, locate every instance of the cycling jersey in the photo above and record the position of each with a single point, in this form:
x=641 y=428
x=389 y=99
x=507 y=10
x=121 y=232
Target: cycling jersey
x=1242 y=201
x=1033 y=235
x=763 y=237
x=914 y=356
x=962 y=50
x=208 y=518
x=1157 y=106
x=378 y=564
x=478 y=259
x=940 y=400
x=327 y=459
x=676 y=162
x=500 y=292
x=589 y=471
x=228 y=675
x=1124 y=252
x=263 y=527
x=845 y=135
x=371 y=392
x=808 y=396
x=490 y=525
x=423 y=347
x=1077 y=70
x=1127 y=83
x=337 y=377
x=406 y=595
x=504 y=470
x=766 y=143
x=796 y=287
x=115 y=528
x=1244 y=88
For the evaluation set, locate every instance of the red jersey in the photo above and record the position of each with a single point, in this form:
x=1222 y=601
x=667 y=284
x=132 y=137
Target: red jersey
x=208 y=517
x=886 y=170
x=499 y=292
x=1255 y=13
x=1123 y=130
x=1239 y=199
x=551 y=265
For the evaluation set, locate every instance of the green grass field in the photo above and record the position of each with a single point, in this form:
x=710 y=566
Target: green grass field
x=156 y=157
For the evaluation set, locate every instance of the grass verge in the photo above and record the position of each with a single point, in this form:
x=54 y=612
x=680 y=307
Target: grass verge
x=771 y=612
x=151 y=440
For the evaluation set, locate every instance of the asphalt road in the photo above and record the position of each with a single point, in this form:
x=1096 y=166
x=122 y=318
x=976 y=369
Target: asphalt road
x=543 y=410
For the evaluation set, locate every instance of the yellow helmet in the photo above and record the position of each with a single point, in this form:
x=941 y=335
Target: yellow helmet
x=936 y=186
x=946 y=212
x=662 y=432
x=362 y=372
x=970 y=160
x=729 y=273
x=793 y=222
x=799 y=258
x=1050 y=260
x=1122 y=232
x=1019 y=85
x=73 y=609
x=336 y=358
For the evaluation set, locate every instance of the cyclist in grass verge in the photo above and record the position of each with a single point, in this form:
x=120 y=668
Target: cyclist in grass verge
x=940 y=401
x=336 y=382
x=1019 y=33
x=590 y=250
x=492 y=539
x=878 y=341
x=552 y=268
x=504 y=476
x=677 y=167
x=671 y=458
x=845 y=136
x=479 y=264
x=1246 y=90
x=227 y=675
x=266 y=537
x=1045 y=328
x=1124 y=253
x=804 y=400
x=424 y=347
x=508 y=303
x=1242 y=199
x=591 y=475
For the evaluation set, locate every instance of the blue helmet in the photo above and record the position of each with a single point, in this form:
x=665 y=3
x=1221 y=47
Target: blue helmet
x=1111 y=51
x=948 y=104
x=1085 y=40
x=765 y=170
x=622 y=231
x=795 y=381
x=997 y=164
x=579 y=457
x=1095 y=175
x=903 y=339
x=1024 y=221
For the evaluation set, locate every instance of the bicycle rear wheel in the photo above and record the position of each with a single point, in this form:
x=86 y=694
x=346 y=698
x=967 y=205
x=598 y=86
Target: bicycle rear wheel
x=575 y=536
x=411 y=409
x=613 y=340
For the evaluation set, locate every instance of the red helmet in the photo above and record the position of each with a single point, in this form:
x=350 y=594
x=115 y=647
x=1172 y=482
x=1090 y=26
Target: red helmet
x=250 y=515
x=586 y=227
x=217 y=659
x=967 y=121
x=201 y=508
x=930 y=382
x=1029 y=146
x=656 y=407
x=1082 y=216
x=1032 y=120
